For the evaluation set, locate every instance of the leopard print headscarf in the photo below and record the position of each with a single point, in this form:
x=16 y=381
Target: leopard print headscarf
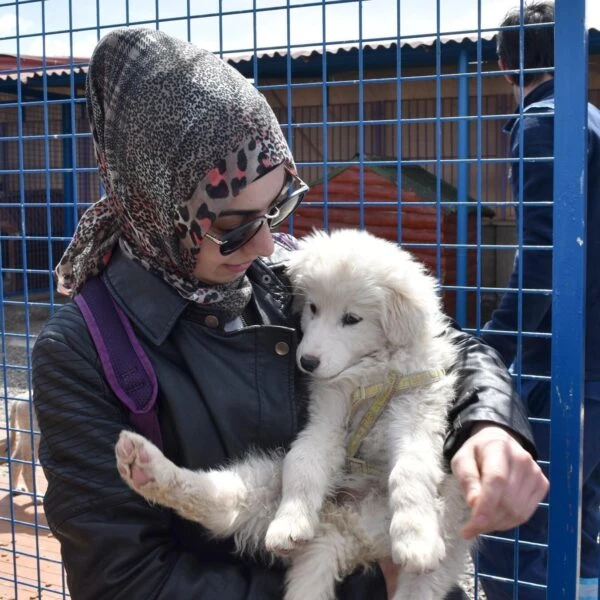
x=178 y=134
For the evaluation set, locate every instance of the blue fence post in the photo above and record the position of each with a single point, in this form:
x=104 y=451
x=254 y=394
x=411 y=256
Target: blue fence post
x=462 y=189
x=568 y=304
x=68 y=191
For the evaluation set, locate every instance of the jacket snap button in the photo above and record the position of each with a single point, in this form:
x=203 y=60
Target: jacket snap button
x=282 y=348
x=211 y=321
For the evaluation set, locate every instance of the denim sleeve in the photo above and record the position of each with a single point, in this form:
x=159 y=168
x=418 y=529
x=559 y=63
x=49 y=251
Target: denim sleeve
x=534 y=265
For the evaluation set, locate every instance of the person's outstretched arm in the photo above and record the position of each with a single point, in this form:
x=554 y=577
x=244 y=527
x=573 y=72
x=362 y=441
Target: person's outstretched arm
x=490 y=444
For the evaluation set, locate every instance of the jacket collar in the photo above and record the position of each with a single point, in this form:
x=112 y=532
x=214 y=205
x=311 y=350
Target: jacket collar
x=153 y=306
x=542 y=92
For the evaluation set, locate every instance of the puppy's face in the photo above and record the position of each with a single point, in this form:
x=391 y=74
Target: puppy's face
x=340 y=327
x=360 y=295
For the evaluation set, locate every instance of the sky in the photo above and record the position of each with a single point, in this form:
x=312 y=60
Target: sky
x=342 y=22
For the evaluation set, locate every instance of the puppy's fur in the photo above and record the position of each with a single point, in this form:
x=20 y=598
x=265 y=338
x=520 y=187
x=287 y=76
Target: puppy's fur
x=368 y=308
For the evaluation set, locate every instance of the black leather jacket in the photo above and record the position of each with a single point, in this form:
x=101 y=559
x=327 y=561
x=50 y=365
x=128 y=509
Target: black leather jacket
x=220 y=393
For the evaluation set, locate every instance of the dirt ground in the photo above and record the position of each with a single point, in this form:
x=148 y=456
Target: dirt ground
x=30 y=566
x=21 y=322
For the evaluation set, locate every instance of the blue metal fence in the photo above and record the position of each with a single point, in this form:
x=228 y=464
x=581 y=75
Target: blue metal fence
x=365 y=93
x=569 y=299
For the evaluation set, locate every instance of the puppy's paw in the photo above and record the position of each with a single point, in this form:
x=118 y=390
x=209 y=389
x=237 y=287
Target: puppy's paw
x=417 y=549
x=143 y=466
x=287 y=533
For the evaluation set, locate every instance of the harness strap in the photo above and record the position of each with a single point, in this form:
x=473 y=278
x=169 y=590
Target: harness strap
x=381 y=393
x=415 y=380
x=372 y=414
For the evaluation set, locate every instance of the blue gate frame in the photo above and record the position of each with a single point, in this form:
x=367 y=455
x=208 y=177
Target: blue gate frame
x=568 y=303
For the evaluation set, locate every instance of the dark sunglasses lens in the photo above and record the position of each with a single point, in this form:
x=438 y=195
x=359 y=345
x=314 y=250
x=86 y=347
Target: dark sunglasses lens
x=287 y=207
x=287 y=203
x=241 y=235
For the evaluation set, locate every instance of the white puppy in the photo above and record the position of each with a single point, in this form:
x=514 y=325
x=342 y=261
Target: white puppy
x=366 y=478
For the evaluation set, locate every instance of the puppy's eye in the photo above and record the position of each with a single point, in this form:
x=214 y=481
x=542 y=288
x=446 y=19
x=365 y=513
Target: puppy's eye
x=350 y=319
x=313 y=308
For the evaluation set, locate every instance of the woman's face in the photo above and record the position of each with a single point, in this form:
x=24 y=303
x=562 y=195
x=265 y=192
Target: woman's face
x=253 y=201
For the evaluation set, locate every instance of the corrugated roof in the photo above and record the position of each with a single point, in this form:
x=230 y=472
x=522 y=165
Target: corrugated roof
x=410 y=42
x=27 y=67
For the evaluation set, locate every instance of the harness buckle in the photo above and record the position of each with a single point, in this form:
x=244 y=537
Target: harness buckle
x=357 y=466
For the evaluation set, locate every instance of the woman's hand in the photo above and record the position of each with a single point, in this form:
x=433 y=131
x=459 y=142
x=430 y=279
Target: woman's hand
x=501 y=481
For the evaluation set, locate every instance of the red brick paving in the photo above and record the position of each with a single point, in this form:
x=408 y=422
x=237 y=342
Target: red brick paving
x=30 y=566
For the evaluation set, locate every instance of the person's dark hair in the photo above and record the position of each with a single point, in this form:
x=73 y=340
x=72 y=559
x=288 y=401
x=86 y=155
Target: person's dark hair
x=539 y=40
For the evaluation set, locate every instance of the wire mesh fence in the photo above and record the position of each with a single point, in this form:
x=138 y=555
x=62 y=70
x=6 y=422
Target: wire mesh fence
x=395 y=121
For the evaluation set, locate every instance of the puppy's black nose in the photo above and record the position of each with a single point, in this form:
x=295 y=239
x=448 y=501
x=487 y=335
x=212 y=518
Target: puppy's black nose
x=309 y=363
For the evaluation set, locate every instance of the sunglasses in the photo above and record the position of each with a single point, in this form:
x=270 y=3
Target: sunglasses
x=283 y=206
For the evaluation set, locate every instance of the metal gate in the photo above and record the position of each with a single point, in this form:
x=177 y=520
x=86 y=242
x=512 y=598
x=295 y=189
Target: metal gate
x=407 y=92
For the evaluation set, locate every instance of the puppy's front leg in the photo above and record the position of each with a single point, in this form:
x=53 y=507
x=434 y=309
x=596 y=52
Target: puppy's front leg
x=239 y=500
x=309 y=471
x=211 y=498
x=416 y=474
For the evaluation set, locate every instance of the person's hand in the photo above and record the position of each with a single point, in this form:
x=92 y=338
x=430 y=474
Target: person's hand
x=390 y=574
x=501 y=482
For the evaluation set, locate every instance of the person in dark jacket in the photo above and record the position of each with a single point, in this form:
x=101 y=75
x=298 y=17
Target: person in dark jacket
x=196 y=172
x=532 y=136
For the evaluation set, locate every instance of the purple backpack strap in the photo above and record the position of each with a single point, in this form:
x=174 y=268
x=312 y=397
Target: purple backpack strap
x=126 y=367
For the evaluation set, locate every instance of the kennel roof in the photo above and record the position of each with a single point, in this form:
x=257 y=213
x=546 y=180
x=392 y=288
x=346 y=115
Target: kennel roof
x=414 y=178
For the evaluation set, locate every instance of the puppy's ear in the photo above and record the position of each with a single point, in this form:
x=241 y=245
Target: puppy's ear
x=411 y=307
x=403 y=316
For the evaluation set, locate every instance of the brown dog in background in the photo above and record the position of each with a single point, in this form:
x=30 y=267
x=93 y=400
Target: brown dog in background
x=23 y=452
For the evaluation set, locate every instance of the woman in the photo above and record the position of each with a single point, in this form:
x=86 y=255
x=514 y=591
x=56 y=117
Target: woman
x=196 y=171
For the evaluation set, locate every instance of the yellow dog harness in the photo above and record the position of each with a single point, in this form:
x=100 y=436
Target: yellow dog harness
x=380 y=393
